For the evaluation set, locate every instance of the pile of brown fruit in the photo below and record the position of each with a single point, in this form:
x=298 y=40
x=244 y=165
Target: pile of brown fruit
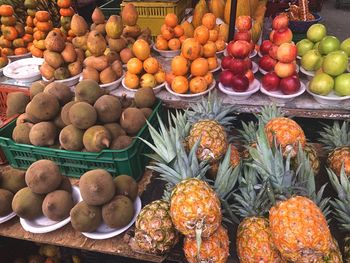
x=104 y=200
x=89 y=121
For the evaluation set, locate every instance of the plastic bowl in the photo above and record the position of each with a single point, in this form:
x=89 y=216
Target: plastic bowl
x=70 y=82
x=303 y=26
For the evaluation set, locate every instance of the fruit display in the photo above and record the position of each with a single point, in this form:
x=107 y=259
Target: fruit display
x=66 y=12
x=3 y=60
x=237 y=66
x=300 y=12
x=43 y=25
x=104 y=201
x=143 y=71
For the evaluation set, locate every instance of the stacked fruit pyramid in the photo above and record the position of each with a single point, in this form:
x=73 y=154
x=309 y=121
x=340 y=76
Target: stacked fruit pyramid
x=13 y=40
x=99 y=21
x=43 y=26
x=238 y=73
x=66 y=12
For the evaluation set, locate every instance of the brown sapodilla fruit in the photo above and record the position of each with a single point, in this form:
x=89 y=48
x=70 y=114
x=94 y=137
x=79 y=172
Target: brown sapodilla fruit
x=108 y=108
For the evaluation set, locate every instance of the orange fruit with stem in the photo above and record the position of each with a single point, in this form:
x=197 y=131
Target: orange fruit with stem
x=161 y=43
x=132 y=81
x=213 y=35
x=209 y=77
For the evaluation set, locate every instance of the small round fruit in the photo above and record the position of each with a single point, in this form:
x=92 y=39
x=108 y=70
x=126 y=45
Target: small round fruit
x=179 y=66
x=209 y=49
x=148 y=81
x=201 y=34
x=209 y=21
x=174 y=44
x=212 y=63
x=213 y=35
x=220 y=44
x=198 y=84
x=171 y=20
x=160 y=76
x=243 y=23
x=199 y=67
x=131 y=81
x=161 y=43
x=141 y=49
x=134 y=66
x=209 y=78
x=178 y=31
x=167 y=33
x=180 y=85
x=151 y=65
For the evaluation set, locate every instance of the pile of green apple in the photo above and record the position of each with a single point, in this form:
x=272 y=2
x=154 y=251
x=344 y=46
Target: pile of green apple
x=328 y=58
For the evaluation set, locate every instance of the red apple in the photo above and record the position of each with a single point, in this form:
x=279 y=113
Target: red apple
x=229 y=47
x=238 y=66
x=273 y=51
x=240 y=83
x=290 y=85
x=239 y=49
x=267 y=63
x=280 y=22
x=246 y=36
x=250 y=75
x=252 y=46
x=225 y=62
x=270 y=81
x=284 y=70
x=284 y=36
x=271 y=35
x=249 y=63
x=287 y=52
x=226 y=78
x=265 y=47
x=243 y=23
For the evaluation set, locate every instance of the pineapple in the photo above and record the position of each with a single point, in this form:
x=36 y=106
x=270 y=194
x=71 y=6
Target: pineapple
x=337 y=141
x=154 y=230
x=213 y=249
x=235 y=160
x=311 y=154
x=299 y=228
x=248 y=137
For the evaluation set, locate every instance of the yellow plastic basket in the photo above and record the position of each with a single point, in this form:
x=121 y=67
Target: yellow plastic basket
x=152 y=14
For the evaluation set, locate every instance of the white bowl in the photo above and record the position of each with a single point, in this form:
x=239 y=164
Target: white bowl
x=253 y=88
x=45 y=225
x=265 y=72
x=253 y=53
x=70 y=82
x=259 y=54
x=330 y=99
x=299 y=57
x=218 y=67
x=168 y=53
x=279 y=97
x=4 y=219
x=25 y=70
x=156 y=89
x=18 y=57
x=113 y=85
x=222 y=51
x=307 y=73
x=190 y=95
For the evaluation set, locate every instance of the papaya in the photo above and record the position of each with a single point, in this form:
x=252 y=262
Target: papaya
x=217 y=7
x=243 y=9
x=223 y=31
x=199 y=11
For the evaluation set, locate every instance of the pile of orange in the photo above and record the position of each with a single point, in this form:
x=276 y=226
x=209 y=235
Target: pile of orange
x=143 y=70
x=172 y=34
x=43 y=25
x=66 y=12
x=3 y=60
x=14 y=39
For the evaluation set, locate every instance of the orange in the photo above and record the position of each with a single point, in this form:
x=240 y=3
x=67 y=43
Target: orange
x=38 y=35
x=212 y=63
x=171 y=20
x=167 y=33
x=7 y=51
x=220 y=44
x=209 y=49
x=67 y=11
x=10 y=33
x=64 y=3
x=174 y=44
x=191 y=49
x=178 y=31
x=42 y=16
x=28 y=30
x=213 y=35
x=160 y=76
x=179 y=66
x=180 y=85
x=161 y=43
x=209 y=78
x=132 y=81
x=198 y=84
x=21 y=51
x=28 y=38
x=201 y=34
x=151 y=65
x=199 y=67
x=141 y=49
x=6 y=10
x=209 y=21
x=29 y=21
x=169 y=77
x=182 y=39
x=36 y=52
x=134 y=66
x=44 y=26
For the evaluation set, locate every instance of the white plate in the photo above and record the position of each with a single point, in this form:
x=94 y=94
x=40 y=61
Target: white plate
x=222 y=51
x=43 y=224
x=110 y=86
x=253 y=88
x=265 y=72
x=253 y=53
x=279 y=97
x=330 y=99
x=307 y=73
x=299 y=57
x=260 y=55
x=7 y=218
x=156 y=89
x=168 y=53
x=18 y=57
x=219 y=21
x=25 y=70
x=218 y=67
x=190 y=95
x=104 y=232
x=70 y=82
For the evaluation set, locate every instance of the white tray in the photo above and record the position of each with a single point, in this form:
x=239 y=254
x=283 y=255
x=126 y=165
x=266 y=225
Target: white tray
x=253 y=88
x=25 y=70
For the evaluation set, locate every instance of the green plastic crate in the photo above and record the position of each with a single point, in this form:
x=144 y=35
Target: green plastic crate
x=130 y=161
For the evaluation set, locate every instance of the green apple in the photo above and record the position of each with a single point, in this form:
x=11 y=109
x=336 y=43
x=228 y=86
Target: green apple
x=342 y=85
x=317 y=44
x=345 y=46
x=311 y=59
x=335 y=63
x=319 y=64
x=304 y=46
x=329 y=44
x=316 y=32
x=321 y=84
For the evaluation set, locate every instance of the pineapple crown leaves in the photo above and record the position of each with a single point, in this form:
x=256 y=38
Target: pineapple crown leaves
x=211 y=108
x=268 y=113
x=179 y=123
x=341 y=204
x=336 y=135
x=248 y=132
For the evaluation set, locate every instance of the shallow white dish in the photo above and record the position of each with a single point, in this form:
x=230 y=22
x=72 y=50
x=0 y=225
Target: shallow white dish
x=25 y=70
x=307 y=73
x=43 y=224
x=190 y=95
x=330 y=99
x=299 y=57
x=104 y=232
x=260 y=55
x=253 y=53
x=168 y=53
x=68 y=82
x=18 y=57
x=253 y=88
x=156 y=89
x=110 y=86
x=7 y=218
x=279 y=97
x=265 y=72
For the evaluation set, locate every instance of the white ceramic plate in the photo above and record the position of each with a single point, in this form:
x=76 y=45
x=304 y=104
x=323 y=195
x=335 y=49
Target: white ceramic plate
x=259 y=54
x=265 y=72
x=156 y=89
x=168 y=53
x=7 y=218
x=253 y=88
x=222 y=51
x=330 y=99
x=104 y=232
x=190 y=95
x=307 y=73
x=110 y=86
x=253 y=53
x=299 y=57
x=25 y=70
x=279 y=97
x=18 y=57
x=43 y=224
x=68 y=82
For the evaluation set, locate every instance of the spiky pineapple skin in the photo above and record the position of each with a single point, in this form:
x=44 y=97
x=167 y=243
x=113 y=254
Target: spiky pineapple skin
x=334 y=255
x=213 y=144
x=254 y=242
x=299 y=230
x=311 y=153
x=235 y=159
x=214 y=249
x=337 y=158
x=194 y=204
x=288 y=134
x=154 y=230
